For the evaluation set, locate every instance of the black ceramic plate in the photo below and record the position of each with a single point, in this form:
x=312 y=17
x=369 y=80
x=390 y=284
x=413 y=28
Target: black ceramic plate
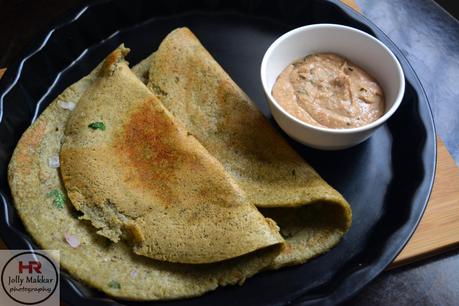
x=387 y=179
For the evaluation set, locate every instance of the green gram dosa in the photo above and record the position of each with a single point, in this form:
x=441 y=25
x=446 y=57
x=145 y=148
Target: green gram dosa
x=33 y=181
x=197 y=91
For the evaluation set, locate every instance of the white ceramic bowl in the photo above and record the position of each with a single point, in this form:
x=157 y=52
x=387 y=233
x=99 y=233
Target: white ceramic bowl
x=360 y=48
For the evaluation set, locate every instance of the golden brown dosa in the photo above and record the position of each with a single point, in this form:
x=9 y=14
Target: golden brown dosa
x=146 y=179
x=199 y=93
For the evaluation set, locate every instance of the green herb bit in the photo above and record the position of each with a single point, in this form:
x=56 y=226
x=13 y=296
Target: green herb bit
x=158 y=90
x=97 y=126
x=58 y=198
x=114 y=285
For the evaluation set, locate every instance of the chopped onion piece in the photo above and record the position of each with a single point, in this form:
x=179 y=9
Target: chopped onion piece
x=67 y=105
x=72 y=240
x=53 y=161
x=133 y=274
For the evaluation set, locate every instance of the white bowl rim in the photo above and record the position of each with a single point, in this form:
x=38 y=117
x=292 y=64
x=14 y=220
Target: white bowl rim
x=366 y=127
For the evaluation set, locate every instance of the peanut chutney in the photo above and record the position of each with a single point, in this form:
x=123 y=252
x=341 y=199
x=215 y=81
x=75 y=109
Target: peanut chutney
x=327 y=90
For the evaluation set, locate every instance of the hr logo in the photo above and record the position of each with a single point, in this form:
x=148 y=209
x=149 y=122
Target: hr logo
x=29 y=278
x=33 y=265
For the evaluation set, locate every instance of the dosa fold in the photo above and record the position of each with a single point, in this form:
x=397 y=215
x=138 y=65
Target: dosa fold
x=200 y=94
x=144 y=178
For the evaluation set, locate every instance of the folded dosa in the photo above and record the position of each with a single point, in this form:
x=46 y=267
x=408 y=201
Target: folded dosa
x=110 y=267
x=147 y=179
x=199 y=93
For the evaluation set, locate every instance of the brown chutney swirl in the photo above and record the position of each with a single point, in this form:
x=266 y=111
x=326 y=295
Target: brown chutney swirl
x=327 y=90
